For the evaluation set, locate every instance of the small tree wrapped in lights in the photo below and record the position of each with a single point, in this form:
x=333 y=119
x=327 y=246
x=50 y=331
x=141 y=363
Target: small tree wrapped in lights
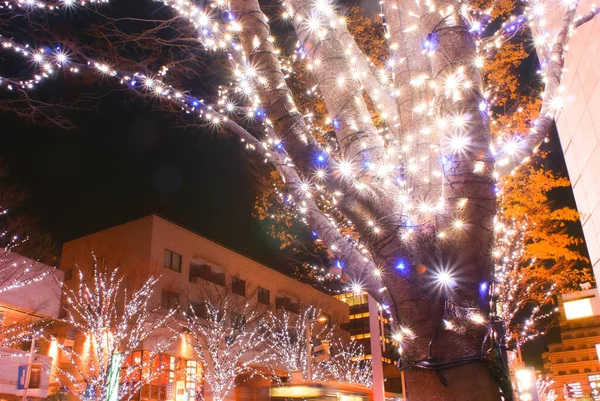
x=347 y=364
x=536 y=257
x=110 y=323
x=392 y=160
x=286 y=337
x=227 y=339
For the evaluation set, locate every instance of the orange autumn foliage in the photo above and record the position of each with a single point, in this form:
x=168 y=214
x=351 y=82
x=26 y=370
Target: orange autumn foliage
x=541 y=254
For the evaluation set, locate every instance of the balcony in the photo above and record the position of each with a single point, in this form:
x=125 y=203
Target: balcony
x=287 y=304
x=212 y=274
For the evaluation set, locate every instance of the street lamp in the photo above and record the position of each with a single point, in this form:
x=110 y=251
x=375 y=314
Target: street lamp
x=309 y=345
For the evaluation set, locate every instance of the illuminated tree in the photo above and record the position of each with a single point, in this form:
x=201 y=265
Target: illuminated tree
x=109 y=323
x=286 y=338
x=545 y=389
x=536 y=258
x=227 y=340
x=347 y=364
x=396 y=177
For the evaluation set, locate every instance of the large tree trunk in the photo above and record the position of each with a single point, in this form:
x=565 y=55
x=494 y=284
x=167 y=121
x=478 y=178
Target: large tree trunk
x=416 y=301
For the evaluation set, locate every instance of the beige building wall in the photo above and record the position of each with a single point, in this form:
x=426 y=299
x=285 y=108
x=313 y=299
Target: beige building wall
x=579 y=121
x=138 y=249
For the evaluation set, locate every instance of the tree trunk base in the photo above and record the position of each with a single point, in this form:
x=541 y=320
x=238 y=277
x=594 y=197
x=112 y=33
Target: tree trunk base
x=471 y=382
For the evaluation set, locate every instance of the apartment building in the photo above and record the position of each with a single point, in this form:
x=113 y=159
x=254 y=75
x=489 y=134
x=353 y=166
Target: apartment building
x=578 y=123
x=360 y=321
x=21 y=309
x=573 y=363
x=188 y=262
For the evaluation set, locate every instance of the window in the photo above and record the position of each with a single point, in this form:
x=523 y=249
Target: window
x=286 y=303
x=238 y=286
x=264 y=296
x=169 y=299
x=206 y=272
x=561 y=372
x=353 y=299
x=587 y=370
x=238 y=321
x=69 y=274
x=199 y=309
x=574 y=371
x=560 y=360
x=172 y=261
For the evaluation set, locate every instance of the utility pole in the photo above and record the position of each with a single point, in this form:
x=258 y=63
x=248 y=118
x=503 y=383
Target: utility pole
x=308 y=352
x=376 y=361
x=28 y=372
x=309 y=345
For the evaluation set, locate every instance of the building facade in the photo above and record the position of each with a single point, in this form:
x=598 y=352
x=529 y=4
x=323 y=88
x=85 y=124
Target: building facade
x=578 y=122
x=360 y=322
x=187 y=264
x=573 y=363
x=22 y=310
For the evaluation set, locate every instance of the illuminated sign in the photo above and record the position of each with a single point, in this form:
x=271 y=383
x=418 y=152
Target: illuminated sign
x=594 y=386
x=526 y=387
x=573 y=390
x=578 y=308
x=296 y=392
x=112 y=391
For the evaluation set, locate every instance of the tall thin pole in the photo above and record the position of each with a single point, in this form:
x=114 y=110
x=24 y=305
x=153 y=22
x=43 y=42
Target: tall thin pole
x=28 y=372
x=308 y=352
x=403 y=382
x=376 y=357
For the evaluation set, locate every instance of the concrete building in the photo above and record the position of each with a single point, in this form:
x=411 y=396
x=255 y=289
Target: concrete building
x=579 y=121
x=360 y=323
x=186 y=263
x=573 y=363
x=20 y=309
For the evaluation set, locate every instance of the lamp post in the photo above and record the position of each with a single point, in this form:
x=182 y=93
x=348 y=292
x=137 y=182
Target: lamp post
x=28 y=371
x=309 y=345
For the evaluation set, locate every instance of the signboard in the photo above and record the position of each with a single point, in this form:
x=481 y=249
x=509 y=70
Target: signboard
x=573 y=390
x=526 y=384
x=35 y=377
x=594 y=386
x=21 y=377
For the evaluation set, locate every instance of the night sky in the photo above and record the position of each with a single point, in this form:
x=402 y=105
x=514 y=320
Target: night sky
x=125 y=161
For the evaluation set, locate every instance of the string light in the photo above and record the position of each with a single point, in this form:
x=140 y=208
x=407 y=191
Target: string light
x=381 y=162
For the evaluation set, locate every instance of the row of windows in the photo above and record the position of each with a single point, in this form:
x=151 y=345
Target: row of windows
x=582 y=358
x=570 y=347
x=353 y=299
x=359 y=315
x=592 y=333
x=574 y=371
x=213 y=274
x=172 y=300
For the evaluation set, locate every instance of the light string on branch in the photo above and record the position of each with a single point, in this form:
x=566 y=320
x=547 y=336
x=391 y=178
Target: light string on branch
x=396 y=171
